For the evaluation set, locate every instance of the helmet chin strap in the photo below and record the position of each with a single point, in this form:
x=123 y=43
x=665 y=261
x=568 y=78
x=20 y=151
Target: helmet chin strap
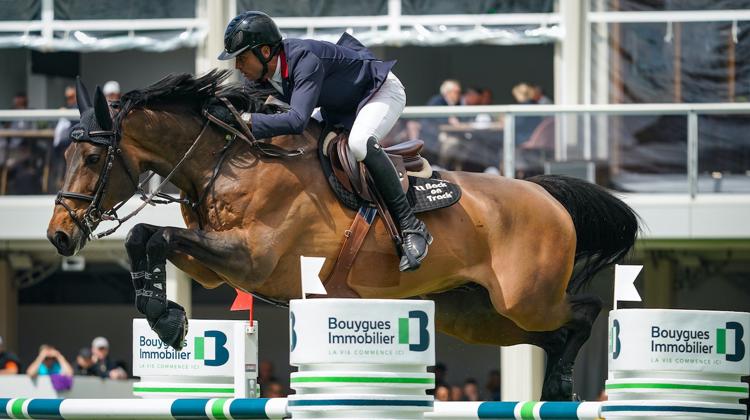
x=264 y=61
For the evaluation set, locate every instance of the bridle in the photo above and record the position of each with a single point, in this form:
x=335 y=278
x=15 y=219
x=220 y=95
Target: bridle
x=93 y=215
x=110 y=139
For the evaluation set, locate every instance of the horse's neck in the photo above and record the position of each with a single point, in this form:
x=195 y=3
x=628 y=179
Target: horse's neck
x=167 y=135
x=163 y=137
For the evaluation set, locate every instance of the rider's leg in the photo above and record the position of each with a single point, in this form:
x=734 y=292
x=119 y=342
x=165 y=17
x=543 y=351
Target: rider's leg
x=373 y=122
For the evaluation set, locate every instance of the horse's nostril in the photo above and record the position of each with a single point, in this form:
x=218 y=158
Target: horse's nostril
x=62 y=240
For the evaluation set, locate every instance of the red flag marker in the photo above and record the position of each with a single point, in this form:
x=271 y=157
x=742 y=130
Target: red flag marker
x=243 y=302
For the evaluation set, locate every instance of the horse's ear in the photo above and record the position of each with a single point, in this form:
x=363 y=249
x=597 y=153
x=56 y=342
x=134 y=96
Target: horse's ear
x=101 y=110
x=82 y=96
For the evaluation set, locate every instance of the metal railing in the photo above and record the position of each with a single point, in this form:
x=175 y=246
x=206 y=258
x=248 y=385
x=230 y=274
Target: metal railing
x=509 y=114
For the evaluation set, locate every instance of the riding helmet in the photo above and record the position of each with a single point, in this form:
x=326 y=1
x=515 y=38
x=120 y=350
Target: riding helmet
x=249 y=30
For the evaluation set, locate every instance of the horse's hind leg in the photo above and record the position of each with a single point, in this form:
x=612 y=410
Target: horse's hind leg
x=467 y=313
x=558 y=380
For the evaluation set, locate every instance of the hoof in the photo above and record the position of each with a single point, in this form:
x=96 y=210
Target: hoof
x=558 y=386
x=172 y=326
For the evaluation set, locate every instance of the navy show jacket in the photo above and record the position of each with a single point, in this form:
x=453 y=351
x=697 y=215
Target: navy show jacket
x=339 y=78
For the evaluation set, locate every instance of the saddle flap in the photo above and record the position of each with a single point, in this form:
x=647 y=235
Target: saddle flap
x=398 y=162
x=338 y=169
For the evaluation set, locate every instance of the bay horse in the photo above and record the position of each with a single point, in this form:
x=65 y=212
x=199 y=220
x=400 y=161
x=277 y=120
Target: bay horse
x=500 y=270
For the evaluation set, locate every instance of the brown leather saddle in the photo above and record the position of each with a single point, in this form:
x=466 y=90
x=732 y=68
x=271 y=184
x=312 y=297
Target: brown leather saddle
x=353 y=175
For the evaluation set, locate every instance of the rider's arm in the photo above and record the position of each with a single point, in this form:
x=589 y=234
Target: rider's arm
x=308 y=77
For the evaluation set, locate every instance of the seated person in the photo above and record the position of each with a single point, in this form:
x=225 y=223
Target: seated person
x=9 y=364
x=49 y=361
x=103 y=364
x=85 y=363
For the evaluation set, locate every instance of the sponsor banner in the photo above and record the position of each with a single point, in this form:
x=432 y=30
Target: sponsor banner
x=210 y=349
x=679 y=340
x=362 y=331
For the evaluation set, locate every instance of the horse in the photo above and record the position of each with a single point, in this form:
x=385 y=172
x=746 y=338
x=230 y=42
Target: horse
x=508 y=265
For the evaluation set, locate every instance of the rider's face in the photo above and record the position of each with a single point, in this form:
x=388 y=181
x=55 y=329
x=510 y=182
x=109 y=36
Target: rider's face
x=250 y=66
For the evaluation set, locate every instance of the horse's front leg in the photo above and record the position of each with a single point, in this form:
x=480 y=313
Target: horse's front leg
x=165 y=317
x=225 y=256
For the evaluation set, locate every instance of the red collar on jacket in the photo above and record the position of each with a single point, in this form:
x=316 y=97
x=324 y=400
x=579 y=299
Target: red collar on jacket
x=284 y=68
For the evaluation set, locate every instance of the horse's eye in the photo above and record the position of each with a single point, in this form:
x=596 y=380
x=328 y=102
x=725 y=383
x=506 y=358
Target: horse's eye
x=92 y=159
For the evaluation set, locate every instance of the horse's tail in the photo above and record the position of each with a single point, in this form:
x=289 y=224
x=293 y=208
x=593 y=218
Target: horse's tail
x=606 y=227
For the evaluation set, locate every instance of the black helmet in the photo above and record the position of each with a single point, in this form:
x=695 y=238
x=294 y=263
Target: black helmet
x=250 y=30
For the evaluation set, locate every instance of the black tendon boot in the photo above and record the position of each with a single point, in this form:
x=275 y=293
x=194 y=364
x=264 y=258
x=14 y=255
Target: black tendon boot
x=414 y=232
x=165 y=317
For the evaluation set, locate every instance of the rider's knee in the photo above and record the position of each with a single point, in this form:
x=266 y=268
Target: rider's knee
x=358 y=145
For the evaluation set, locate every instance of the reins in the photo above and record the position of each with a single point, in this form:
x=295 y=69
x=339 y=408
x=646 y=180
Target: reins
x=94 y=215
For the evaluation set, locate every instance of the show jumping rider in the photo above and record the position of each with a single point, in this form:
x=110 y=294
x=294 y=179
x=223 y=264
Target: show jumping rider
x=353 y=89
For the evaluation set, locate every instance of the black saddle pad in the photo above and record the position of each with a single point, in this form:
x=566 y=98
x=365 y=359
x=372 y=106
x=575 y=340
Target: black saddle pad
x=432 y=193
x=424 y=194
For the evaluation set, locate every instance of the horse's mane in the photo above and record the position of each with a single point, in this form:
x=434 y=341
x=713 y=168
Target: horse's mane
x=192 y=92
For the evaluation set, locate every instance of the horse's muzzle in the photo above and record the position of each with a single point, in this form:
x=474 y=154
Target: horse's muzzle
x=63 y=242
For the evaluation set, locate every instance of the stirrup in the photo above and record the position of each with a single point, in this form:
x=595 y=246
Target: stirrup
x=408 y=261
x=423 y=233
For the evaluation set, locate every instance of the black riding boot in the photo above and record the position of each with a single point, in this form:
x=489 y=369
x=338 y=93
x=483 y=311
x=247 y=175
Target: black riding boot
x=414 y=232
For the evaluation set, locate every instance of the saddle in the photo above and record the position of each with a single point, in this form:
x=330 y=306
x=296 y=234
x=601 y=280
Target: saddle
x=424 y=189
x=351 y=174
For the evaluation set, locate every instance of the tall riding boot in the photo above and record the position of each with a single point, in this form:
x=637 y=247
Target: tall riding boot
x=414 y=232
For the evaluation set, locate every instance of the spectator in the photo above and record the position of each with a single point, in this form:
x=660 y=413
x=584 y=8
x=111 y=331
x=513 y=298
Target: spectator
x=111 y=91
x=523 y=94
x=265 y=372
x=61 y=141
x=85 y=363
x=493 y=385
x=486 y=97
x=457 y=394
x=538 y=96
x=471 y=390
x=447 y=143
x=472 y=96
x=602 y=395
x=525 y=125
x=9 y=364
x=442 y=393
x=440 y=374
x=274 y=390
x=450 y=94
x=62 y=129
x=49 y=361
x=24 y=159
x=103 y=364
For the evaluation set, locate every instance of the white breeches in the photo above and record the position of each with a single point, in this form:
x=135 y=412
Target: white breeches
x=377 y=116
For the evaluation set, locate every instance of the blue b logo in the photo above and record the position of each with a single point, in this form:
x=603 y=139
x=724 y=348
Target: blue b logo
x=221 y=353
x=739 y=345
x=293 y=338
x=615 y=343
x=404 y=331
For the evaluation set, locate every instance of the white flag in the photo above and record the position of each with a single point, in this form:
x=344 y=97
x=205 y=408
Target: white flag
x=310 y=268
x=625 y=275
